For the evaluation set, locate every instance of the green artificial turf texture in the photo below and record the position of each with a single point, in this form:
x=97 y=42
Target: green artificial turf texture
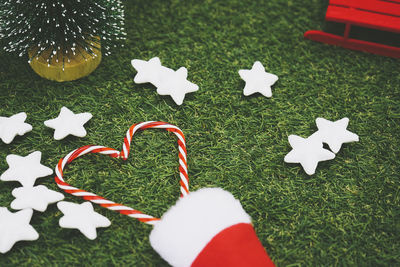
x=346 y=214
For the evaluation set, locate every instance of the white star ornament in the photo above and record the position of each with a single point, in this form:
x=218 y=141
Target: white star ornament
x=68 y=123
x=37 y=198
x=258 y=80
x=15 y=227
x=82 y=217
x=335 y=133
x=148 y=71
x=25 y=169
x=176 y=85
x=13 y=126
x=308 y=152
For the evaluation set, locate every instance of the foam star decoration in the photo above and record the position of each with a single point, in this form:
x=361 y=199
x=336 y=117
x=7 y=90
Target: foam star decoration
x=37 y=198
x=308 y=152
x=68 y=123
x=335 y=133
x=82 y=217
x=25 y=169
x=176 y=85
x=148 y=71
x=15 y=227
x=13 y=126
x=257 y=80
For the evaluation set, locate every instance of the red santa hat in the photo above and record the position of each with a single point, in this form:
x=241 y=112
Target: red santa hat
x=208 y=228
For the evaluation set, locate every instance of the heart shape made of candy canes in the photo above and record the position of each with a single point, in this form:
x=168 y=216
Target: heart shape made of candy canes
x=184 y=180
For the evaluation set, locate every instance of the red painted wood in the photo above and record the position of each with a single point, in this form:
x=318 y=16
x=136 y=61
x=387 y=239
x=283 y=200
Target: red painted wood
x=374 y=6
x=375 y=14
x=354 y=44
x=363 y=18
x=347 y=30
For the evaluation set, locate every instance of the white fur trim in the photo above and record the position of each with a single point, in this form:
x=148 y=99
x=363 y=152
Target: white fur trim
x=186 y=228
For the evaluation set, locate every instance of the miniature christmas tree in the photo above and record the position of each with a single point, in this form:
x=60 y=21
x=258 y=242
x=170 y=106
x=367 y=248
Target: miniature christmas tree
x=58 y=30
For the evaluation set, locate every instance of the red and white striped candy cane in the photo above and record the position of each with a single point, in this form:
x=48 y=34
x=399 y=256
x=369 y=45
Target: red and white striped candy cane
x=184 y=180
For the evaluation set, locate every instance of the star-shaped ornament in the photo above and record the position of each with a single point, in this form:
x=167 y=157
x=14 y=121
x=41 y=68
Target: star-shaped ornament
x=335 y=133
x=308 y=152
x=148 y=71
x=25 y=169
x=176 y=85
x=37 y=198
x=257 y=80
x=166 y=80
x=68 y=123
x=13 y=126
x=15 y=227
x=82 y=217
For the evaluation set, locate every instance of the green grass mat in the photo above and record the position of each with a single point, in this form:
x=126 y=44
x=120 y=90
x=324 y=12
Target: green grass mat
x=345 y=214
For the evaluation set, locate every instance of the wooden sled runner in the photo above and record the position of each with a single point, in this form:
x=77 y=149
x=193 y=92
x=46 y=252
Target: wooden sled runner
x=375 y=14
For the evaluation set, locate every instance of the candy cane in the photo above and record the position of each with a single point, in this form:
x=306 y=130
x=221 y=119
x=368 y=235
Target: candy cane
x=184 y=180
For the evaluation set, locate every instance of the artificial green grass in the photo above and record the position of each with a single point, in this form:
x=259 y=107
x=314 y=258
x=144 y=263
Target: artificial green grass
x=345 y=214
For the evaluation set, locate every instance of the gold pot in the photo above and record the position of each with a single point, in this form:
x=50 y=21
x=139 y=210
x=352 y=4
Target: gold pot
x=79 y=65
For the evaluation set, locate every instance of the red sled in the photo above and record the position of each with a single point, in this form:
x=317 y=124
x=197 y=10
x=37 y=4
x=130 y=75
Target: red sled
x=374 y=14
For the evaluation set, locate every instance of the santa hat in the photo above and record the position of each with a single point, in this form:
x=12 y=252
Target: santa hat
x=208 y=228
